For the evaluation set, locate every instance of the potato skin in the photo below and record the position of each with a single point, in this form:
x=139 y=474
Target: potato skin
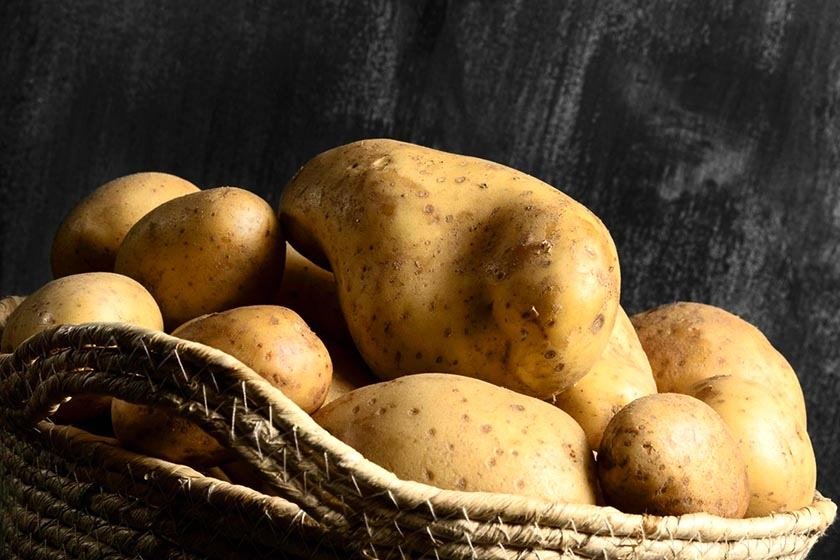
x=311 y=291
x=460 y=433
x=148 y=430
x=7 y=305
x=621 y=375
x=88 y=238
x=349 y=370
x=81 y=298
x=456 y=264
x=781 y=466
x=671 y=454
x=687 y=342
x=273 y=341
x=205 y=252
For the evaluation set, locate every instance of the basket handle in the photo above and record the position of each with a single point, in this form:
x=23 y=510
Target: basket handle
x=215 y=391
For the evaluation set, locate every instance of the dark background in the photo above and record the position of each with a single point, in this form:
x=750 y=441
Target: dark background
x=706 y=138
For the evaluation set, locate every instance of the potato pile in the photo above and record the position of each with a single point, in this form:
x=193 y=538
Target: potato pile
x=454 y=320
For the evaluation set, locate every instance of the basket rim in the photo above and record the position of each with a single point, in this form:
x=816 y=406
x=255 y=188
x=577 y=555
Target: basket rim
x=504 y=509
x=663 y=526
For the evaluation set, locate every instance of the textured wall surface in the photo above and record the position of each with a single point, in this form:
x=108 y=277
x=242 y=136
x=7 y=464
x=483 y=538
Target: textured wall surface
x=706 y=138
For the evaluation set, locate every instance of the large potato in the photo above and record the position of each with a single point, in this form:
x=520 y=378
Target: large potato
x=457 y=264
x=461 y=433
x=781 y=467
x=205 y=252
x=273 y=341
x=671 y=454
x=88 y=238
x=621 y=375
x=687 y=342
x=81 y=298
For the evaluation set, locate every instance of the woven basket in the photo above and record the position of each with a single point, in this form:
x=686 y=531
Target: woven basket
x=68 y=494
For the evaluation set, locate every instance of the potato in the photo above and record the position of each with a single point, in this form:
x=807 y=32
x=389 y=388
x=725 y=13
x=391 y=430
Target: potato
x=781 y=467
x=88 y=238
x=151 y=431
x=273 y=341
x=460 y=433
x=81 y=298
x=349 y=370
x=687 y=342
x=456 y=264
x=245 y=474
x=7 y=305
x=620 y=376
x=205 y=252
x=671 y=454
x=312 y=292
x=218 y=474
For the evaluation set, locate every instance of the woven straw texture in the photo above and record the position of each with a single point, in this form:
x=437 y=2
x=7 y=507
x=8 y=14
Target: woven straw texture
x=65 y=493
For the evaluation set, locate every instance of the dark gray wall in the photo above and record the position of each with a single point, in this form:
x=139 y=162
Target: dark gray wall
x=707 y=139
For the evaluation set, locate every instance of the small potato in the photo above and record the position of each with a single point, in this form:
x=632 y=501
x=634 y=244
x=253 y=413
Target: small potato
x=460 y=433
x=671 y=454
x=349 y=370
x=7 y=305
x=205 y=252
x=88 y=238
x=149 y=430
x=81 y=298
x=687 y=342
x=245 y=474
x=311 y=291
x=273 y=341
x=619 y=377
x=781 y=466
x=217 y=473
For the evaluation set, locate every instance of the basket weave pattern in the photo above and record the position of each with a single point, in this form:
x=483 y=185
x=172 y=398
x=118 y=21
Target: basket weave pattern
x=65 y=493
